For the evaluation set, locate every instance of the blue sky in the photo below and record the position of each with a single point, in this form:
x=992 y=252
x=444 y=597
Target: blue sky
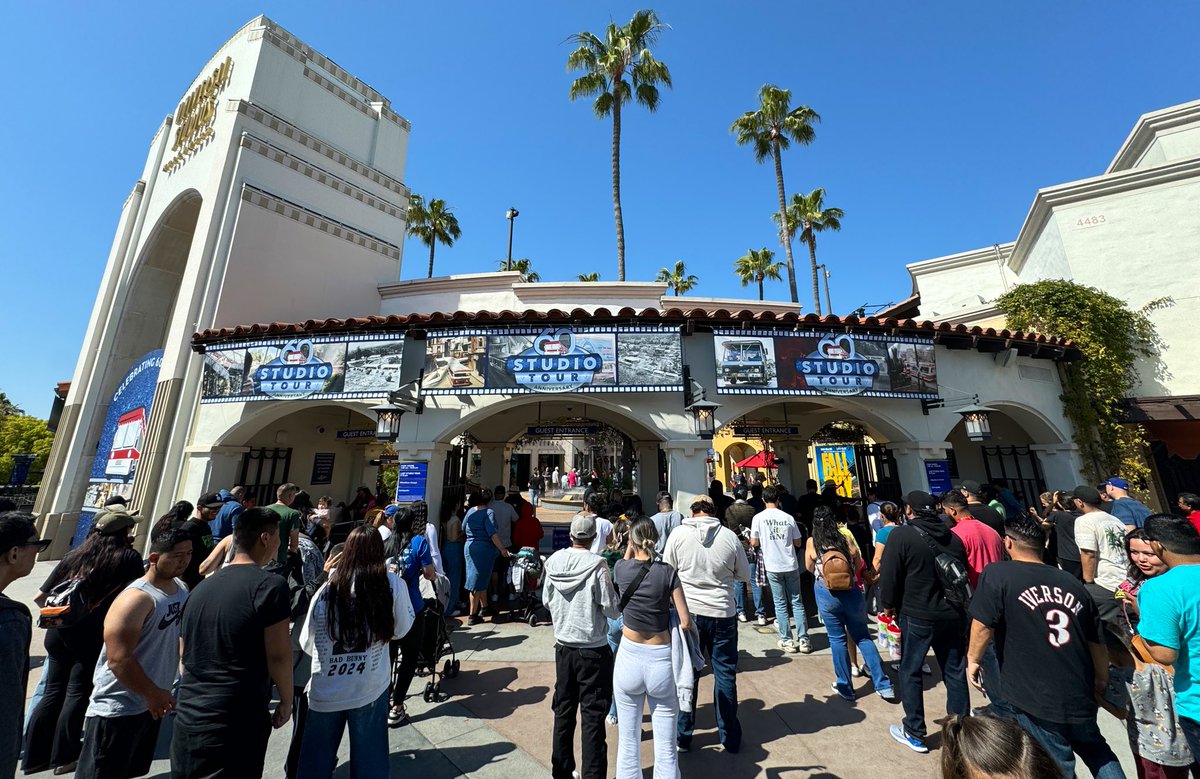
x=940 y=121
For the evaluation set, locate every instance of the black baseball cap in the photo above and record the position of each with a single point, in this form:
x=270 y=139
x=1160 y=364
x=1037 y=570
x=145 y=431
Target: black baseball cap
x=921 y=500
x=210 y=500
x=970 y=486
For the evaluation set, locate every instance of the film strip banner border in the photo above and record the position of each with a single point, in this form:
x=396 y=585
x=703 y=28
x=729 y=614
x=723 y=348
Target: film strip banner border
x=864 y=394
x=903 y=339
x=267 y=343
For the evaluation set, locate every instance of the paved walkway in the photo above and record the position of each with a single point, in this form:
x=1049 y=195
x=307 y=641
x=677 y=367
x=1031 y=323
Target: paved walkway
x=497 y=721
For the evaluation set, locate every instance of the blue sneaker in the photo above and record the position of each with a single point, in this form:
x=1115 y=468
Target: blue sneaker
x=915 y=744
x=888 y=694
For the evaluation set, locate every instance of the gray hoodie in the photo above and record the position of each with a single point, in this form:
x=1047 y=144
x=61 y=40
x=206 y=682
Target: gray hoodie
x=580 y=595
x=708 y=557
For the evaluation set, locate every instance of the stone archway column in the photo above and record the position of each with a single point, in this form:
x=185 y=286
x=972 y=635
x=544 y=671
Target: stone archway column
x=491 y=465
x=794 y=471
x=910 y=461
x=1062 y=466
x=687 y=475
x=647 y=471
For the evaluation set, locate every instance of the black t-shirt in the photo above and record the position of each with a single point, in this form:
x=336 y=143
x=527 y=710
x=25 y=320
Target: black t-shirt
x=1044 y=620
x=648 y=610
x=537 y=483
x=225 y=677
x=988 y=516
x=101 y=592
x=1064 y=532
x=202 y=543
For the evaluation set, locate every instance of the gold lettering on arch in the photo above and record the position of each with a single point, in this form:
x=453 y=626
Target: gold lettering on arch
x=195 y=116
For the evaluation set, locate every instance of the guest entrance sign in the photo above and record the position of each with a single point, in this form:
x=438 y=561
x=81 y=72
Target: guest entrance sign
x=753 y=362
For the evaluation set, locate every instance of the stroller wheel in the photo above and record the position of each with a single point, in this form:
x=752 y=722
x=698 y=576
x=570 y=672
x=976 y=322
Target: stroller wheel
x=446 y=668
x=428 y=696
x=453 y=669
x=533 y=620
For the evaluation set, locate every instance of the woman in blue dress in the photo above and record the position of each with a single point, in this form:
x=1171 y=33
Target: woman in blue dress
x=482 y=546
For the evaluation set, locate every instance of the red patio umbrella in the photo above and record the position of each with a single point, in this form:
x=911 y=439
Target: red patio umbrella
x=758 y=460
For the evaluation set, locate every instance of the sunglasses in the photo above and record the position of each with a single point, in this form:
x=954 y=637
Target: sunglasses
x=42 y=544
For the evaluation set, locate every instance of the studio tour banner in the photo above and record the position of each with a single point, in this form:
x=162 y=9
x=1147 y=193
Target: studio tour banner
x=750 y=362
x=558 y=359
x=366 y=366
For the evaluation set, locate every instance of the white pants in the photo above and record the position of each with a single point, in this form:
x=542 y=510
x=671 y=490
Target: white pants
x=643 y=671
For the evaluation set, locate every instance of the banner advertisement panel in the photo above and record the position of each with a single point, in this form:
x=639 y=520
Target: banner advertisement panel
x=751 y=362
x=551 y=360
x=835 y=464
x=121 y=439
x=320 y=367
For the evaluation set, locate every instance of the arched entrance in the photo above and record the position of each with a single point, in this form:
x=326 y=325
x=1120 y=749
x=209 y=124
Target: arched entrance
x=502 y=442
x=325 y=448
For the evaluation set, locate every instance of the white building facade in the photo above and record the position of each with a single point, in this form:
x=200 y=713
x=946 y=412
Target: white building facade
x=274 y=194
x=1132 y=232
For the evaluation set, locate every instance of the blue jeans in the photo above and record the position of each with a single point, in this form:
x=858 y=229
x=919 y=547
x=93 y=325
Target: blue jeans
x=846 y=613
x=785 y=588
x=719 y=642
x=739 y=592
x=535 y=497
x=368 y=741
x=1063 y=740
x=948 y=638
x=614 y=640
x=991 y=676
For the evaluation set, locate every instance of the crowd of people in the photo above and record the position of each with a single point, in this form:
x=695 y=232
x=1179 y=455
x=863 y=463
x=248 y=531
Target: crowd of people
x=1086 y=601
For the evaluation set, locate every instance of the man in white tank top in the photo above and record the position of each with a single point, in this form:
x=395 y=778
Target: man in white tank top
x=132 y=684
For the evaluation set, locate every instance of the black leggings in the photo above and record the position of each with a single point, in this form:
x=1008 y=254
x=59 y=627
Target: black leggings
x=55 y=730
x=410 y=653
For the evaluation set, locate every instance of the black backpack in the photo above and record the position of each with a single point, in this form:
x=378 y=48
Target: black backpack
x=951 y=573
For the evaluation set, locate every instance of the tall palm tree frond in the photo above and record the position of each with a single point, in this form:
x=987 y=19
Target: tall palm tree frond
x=757 y=265
x=769 y=130
x=677 y=278
x=806 y=216
x=619 y=68
x=524 y=266
x=432 y=223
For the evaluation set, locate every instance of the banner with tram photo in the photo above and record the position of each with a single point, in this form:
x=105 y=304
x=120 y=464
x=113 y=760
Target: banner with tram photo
x=314 y=368
x=751 y=362
x=513 y=361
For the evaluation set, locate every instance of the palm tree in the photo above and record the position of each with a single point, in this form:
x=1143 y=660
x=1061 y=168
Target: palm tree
x=617 y=69
x=770 y=130
x=524 y=266
x=807 y=216
x=589 y=276
x=677 y=278
x=8 y=408
x=432 y=224
x=757 y=265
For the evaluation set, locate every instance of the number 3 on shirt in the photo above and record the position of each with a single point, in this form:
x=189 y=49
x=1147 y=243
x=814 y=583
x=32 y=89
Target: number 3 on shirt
x=1058 y=622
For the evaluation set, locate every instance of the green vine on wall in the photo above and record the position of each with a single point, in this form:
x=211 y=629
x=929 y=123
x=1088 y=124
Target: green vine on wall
x=1111 y=337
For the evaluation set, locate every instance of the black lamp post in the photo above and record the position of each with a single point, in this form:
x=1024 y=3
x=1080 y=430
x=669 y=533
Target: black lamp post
x=387 y=429
x=511 y=216
x=704 y=412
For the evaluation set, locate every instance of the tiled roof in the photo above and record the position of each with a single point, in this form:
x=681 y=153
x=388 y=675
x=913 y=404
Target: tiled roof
x=950 y=336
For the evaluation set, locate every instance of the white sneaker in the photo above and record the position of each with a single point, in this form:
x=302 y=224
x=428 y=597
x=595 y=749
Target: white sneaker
x=611 y=720
x=855 y=672
x=804 y=645
x=742 y=617
x=761 y=621
x=786 y=645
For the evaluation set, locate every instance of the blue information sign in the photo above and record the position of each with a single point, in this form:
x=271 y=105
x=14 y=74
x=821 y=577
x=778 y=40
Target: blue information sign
x=561 y=538
x=410 y=481
x=938 y=473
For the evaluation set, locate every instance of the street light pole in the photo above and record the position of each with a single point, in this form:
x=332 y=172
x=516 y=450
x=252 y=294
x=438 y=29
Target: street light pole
x=512 y=215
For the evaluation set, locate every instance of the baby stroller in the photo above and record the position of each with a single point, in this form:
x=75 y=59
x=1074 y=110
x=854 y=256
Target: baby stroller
x=436 y=640
x=525 y=576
